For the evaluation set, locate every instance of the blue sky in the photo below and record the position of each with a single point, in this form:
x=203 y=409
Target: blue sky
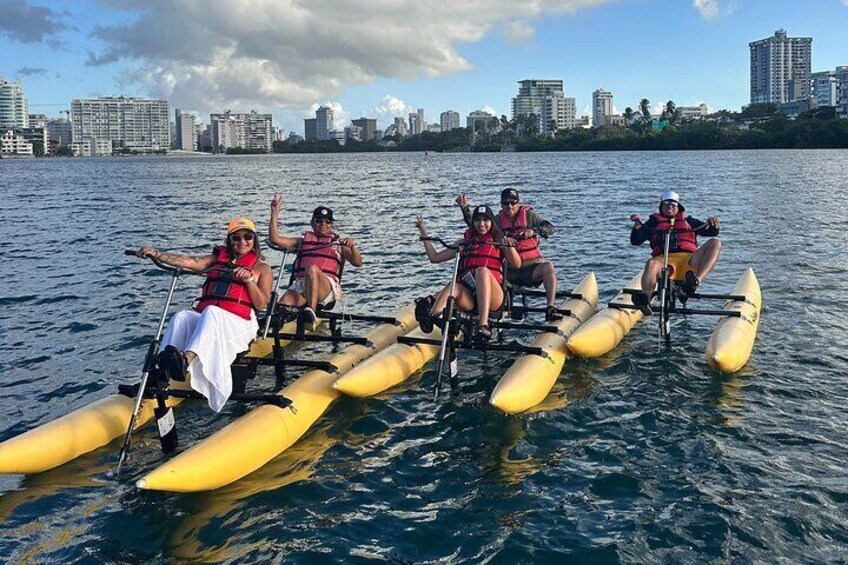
x=382 y=58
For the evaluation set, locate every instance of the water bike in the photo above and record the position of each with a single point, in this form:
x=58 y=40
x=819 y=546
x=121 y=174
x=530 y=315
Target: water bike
x=90 y=427
x=731 y=342
x=529 y=379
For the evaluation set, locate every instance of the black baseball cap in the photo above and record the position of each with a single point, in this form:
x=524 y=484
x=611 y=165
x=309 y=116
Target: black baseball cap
x=482 y=211
x=509 y=195
x=322 y=213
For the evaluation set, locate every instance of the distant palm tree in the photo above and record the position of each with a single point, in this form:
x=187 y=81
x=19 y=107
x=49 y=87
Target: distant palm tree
x=671 y=111
x=628 y=115
x=645 y=109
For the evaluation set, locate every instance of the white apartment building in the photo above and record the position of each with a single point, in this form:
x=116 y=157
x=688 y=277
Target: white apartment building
x=556 y=113
x=449 y=120
x=186 y=140
x=59 y=130
x=490 y=122
x=824 y=86
x=92 y=148
x=601 y=107
x=13 y=105
x=242 y=131
x=416 y=122
x=780 y=68
x=546 y=100
x=842 y=92
x=323 y=123
x=400 y=127
x=693 y=112
x=133 y=123
x=12 y=143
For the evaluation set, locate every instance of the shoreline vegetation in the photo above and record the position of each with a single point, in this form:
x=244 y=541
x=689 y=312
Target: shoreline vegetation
x=759 y=126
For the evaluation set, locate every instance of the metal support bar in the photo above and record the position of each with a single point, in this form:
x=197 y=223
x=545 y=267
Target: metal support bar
x=536 y=292
x=736 y=297
x=322 y=338
x=276 y=399
x=518 y=348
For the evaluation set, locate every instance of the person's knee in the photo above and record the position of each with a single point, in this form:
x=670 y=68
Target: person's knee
x=481 y=273
x=312 y=271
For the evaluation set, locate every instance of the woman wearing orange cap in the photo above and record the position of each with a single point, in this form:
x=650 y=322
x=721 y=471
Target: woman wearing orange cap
x=207 y=339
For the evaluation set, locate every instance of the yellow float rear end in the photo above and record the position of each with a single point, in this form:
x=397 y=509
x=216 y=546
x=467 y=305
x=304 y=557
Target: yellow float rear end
x=732 y=340
x=607 y=328
x=529 y=380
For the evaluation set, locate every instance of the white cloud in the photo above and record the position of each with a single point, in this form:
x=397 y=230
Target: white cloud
x=491 y=111
x=517 y=32
x=707 y=8
x=278 y=55
x=390 y=108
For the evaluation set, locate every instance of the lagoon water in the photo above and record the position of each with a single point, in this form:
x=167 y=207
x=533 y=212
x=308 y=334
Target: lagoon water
x=644 y=455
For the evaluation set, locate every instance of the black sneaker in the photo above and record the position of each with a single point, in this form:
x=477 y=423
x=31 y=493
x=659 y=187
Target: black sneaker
x=692 y=283
x=552 y=314
x=422 y=313
x=172 y=364
x=642 y=301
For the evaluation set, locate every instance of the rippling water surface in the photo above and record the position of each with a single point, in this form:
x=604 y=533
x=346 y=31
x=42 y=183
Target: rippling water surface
x=643 y=455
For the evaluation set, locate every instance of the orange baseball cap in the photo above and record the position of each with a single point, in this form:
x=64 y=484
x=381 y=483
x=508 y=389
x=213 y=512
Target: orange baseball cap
x=237 y=224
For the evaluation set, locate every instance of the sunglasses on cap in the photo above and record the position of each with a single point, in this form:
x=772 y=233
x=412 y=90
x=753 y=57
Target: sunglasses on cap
x=238 y=238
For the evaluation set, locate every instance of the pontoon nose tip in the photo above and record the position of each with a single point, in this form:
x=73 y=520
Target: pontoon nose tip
x=141 y=484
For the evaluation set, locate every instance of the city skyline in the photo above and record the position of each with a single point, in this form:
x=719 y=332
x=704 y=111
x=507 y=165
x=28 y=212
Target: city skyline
x=377 y=64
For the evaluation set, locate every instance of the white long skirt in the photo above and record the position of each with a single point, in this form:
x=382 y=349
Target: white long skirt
x=216 y=337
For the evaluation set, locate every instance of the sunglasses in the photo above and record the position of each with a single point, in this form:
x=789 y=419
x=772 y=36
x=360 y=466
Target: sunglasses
x=323 y=222
x=239 y=238
x=670 y=203
x=509 y=203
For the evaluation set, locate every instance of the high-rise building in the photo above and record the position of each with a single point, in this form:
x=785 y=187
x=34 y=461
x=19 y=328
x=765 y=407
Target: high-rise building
x=368 y=126
x=133 y=123
x=400 y=127
x=242 y=131
x=323 y=123
x=59 y=130
x=13 y=105
x=186 y=139
x=449 y=120
x=310 y=129
x=842 y=92
x=416 y=122
x=780 y=68
x=556 y=113
x=545 y=100
x=601 y=107
x=489 y=122
x=823 y=87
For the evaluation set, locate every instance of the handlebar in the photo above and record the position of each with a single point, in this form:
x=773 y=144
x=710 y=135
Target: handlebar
x=171 y=268
x=341 y=243
x=455 y=247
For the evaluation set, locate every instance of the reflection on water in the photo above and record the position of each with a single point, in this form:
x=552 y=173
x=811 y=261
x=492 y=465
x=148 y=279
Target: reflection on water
x=642 y=455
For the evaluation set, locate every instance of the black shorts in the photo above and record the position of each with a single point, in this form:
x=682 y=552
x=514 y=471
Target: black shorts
x=523 y=276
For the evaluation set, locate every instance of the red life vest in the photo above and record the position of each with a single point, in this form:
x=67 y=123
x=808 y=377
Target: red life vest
x=682 y=236
x=480 y=251
x=222 y=289
x=527 y=247
x=315 y=251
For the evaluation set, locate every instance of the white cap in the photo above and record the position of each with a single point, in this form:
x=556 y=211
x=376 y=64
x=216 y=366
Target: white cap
x=670 y=195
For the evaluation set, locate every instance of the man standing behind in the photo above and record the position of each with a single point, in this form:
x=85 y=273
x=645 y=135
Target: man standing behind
x=521 y=223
